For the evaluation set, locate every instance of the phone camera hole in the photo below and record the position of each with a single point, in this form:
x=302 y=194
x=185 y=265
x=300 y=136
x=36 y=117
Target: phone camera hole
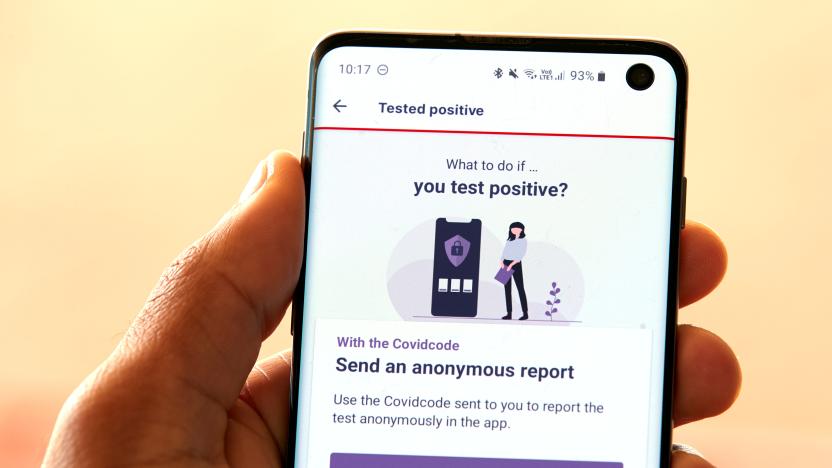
x=640 y=77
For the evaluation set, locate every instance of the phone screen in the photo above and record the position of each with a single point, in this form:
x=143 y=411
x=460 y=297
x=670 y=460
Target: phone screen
x=491 y=257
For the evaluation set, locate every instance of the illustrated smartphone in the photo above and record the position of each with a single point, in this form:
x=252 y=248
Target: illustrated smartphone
x=490 y=270
x=456 y=272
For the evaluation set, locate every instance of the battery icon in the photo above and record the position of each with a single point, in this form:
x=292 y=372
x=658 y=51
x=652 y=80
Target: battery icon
x=602 y=76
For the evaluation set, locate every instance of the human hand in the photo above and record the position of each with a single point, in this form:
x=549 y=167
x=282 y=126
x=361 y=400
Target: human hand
x=182 y=387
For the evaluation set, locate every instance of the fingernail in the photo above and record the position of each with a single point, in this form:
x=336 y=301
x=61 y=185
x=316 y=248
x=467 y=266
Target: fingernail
x=686 y=449
x=260 y=175
x=270 y=165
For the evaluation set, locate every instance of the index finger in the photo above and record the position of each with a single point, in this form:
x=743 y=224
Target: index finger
x=702 y=262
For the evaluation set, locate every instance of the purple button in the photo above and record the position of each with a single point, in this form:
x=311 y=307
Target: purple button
x=362 y=460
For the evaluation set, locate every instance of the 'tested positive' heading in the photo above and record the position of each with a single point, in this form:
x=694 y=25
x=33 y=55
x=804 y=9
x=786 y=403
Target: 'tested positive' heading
x=453 y=110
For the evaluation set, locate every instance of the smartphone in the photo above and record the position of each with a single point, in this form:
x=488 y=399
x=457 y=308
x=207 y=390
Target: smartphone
x=490 y=269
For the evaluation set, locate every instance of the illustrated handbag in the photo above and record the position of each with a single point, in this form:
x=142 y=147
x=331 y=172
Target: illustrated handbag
x=503 y=275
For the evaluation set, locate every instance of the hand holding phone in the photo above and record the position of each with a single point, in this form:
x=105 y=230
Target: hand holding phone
x=172 y=388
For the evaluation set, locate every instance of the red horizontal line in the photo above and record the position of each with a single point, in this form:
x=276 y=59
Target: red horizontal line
x=482 y=132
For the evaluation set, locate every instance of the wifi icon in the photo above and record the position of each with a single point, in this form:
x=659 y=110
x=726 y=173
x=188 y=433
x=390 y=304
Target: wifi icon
x=530 y=73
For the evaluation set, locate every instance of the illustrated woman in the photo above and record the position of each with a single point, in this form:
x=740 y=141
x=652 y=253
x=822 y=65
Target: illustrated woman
x=513 y=254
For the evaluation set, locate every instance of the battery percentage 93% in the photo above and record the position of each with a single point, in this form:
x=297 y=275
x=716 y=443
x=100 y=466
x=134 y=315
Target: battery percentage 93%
x=582 y=75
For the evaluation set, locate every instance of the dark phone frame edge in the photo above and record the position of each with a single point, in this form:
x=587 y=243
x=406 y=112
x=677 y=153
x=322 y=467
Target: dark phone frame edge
x=517 y=43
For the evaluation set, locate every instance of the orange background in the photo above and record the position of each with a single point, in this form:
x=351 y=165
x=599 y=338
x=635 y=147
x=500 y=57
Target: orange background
x=127 y=128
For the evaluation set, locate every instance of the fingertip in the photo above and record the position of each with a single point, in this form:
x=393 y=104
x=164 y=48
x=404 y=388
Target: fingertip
x=280 y=161
x=285 y=181
x=708 y=377
x=703 y=261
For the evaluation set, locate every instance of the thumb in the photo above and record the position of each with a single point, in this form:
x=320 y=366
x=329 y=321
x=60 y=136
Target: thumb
x=205 y=320
x=166 y=389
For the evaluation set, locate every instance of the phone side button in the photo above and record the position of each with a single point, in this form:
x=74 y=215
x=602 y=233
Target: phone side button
x=684 y=199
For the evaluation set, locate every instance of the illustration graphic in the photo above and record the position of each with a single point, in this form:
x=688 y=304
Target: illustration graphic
x=553 y=301
x=513 y=253
x=456 y=268
x=445 y=256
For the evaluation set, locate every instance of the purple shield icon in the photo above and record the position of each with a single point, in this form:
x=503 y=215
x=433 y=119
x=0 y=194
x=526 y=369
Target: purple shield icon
x=457 y=248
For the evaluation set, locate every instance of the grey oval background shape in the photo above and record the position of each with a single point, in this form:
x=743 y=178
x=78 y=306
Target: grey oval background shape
x=410 y=273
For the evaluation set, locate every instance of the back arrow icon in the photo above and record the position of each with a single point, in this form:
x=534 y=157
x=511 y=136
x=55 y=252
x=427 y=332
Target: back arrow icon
x=338 y=105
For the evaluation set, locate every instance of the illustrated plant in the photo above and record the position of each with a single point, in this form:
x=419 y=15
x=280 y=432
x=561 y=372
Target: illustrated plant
x=553 y=302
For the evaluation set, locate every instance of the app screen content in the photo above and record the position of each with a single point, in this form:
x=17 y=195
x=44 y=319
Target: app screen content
x=487 y=265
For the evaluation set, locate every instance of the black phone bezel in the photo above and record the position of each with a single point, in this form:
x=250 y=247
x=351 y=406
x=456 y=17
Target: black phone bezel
x=513 y=43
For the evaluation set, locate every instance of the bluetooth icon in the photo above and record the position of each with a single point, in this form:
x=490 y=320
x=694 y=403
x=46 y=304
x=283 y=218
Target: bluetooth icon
x=498 y=73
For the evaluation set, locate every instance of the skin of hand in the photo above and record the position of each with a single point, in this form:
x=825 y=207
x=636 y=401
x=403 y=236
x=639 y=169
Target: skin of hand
x=183 y=387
